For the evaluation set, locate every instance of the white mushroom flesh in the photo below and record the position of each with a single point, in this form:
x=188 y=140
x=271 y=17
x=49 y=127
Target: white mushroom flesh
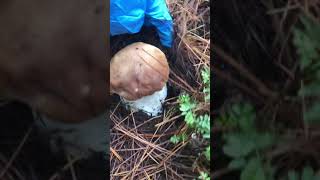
x=151 y=105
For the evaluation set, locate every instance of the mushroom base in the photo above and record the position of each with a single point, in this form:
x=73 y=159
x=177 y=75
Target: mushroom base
x=81 y=139
x=151 y=105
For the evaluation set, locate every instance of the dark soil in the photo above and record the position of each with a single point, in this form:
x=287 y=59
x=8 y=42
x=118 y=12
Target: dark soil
x=236 y=25
x=35 y=160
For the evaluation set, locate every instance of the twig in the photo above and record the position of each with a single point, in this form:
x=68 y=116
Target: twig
x=220 y=172
x=245 y=88
x=65 y=167
x=244 y=72
x=73 y=173
x=16 y=153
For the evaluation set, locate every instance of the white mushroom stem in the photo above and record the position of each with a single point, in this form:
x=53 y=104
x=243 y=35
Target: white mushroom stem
x=80 y=139
x=151 y=105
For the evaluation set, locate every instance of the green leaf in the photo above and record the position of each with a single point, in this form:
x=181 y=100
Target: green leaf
x=307 y=174
x=237 y=163
x=310 y=90
x=206 y=136
x=307 y=42
x=206 y=91
x=185 y=107
x=243 y=116
x=246 y=118
x=312 y=114
x=207 y=153
x=204 y=176
x=175 y=139
x=205 y=73
x=236 y=109
x=202 y=125
x=238 y=145
x=253 y=171
x=264 y=140
x=292 y=175
x=225 y=121
x=189 y=118
x=183 y=137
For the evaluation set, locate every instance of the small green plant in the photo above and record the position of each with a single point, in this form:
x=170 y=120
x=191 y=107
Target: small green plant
x=203 y=126
x=175 y=139
x=307 y=174
x=204 y=176
x=207 y=153
x=307 y=42
x=201 y=123
x=187 y=105
x=196 y=122
x=245 y=144
x=205 y=74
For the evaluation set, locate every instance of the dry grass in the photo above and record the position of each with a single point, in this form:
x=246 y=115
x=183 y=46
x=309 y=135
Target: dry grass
x=139 y=154
x=7 y=170
x=192 y=22
x=140 y=148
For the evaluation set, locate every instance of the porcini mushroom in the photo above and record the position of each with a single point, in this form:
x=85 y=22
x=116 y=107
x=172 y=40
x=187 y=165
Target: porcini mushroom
x=138 y=74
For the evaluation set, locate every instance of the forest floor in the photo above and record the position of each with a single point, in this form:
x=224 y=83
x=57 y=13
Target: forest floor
x=266 y=90
x=141 y=146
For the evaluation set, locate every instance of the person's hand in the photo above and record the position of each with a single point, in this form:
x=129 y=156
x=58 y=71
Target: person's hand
x=53 y=56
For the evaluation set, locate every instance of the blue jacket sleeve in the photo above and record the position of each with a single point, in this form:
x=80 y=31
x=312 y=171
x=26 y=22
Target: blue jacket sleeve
x=130 y=16
x=157 y=14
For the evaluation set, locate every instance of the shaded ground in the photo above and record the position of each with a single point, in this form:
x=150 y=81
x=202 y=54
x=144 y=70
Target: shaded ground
x=257 y=63
x=140 y=146
x=128 y=152
x=31 y=157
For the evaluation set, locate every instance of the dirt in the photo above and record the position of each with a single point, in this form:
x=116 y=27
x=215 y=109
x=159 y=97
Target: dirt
x=35 y=160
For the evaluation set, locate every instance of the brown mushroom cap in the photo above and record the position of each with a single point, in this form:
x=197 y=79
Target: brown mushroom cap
x=138 y=70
